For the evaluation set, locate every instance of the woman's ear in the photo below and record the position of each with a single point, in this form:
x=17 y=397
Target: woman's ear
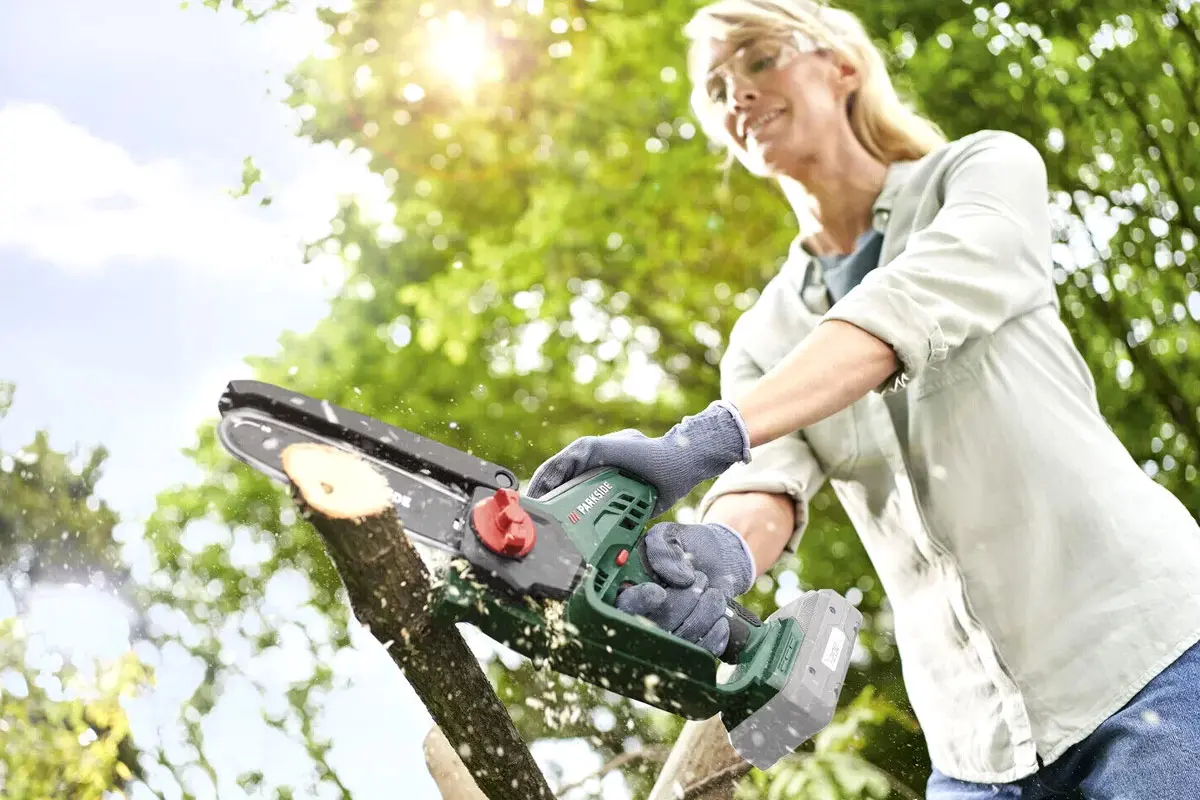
x=847 y=79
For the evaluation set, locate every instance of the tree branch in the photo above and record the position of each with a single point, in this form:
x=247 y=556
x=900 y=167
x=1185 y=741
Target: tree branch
x=453 y=780
x=702 y=765
x=729 y=775
x=1174 y=185
x=349 y=503
x=649 y=754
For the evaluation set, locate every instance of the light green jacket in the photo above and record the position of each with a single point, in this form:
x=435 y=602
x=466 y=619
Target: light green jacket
x=1038 y=578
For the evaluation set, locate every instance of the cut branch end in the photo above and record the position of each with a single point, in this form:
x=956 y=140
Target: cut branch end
x=336 y=483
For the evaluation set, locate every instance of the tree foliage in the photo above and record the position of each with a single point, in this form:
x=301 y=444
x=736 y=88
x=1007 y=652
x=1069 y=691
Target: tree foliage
x=52 y=525
x=63 y=729
x=65 y=732
x=564 y=256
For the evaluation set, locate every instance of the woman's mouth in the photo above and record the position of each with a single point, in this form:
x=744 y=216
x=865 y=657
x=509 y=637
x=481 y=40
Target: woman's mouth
x=756 y=130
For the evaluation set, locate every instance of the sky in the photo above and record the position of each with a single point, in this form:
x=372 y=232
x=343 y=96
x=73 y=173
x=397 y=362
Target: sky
x=133 y=286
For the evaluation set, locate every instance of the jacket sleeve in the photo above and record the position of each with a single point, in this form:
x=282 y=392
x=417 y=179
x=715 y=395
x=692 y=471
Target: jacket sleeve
x=783 y=466
x=983 y=260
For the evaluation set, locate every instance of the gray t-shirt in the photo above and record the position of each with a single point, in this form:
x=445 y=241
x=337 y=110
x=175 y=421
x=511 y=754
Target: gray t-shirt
x=843 y=272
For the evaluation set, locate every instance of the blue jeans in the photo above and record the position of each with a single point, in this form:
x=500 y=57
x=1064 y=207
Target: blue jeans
x=1149 y=750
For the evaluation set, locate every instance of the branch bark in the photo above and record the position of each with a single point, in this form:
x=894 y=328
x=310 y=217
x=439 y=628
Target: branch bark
x=702 y=765
x=349 y=504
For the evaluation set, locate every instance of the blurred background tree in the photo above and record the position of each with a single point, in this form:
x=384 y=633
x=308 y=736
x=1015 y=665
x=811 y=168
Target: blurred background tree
x=562 y=255
x=53 y=528
x=63 y=729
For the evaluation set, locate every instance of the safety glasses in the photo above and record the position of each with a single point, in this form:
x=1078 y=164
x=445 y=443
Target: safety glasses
x=752 y=59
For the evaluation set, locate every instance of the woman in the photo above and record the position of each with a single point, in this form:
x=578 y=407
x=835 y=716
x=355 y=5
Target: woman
x=1046 y=591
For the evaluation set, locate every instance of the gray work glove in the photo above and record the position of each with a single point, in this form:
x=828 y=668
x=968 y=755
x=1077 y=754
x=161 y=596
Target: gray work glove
x=702 y=567
x=696 y=449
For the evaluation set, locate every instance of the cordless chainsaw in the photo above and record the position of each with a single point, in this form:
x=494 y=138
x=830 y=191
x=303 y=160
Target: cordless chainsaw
x=541 y=576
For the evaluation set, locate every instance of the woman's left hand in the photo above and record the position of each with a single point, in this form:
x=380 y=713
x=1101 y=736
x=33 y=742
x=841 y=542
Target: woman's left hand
x=698 y=448
x=698 y=569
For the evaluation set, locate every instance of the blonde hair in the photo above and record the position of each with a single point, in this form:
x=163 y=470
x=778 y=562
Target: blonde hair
x=887 y=128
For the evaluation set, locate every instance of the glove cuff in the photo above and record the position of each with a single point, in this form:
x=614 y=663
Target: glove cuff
x=739 y=423
x=751 y=567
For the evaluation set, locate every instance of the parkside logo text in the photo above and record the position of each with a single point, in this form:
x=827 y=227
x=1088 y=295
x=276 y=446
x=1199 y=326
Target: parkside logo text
x=587 y=505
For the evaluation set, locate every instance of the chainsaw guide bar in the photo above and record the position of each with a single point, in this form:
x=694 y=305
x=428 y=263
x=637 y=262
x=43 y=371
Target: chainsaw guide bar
x=434 y=487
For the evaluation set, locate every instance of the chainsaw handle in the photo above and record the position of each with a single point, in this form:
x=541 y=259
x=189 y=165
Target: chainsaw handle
x=743 y=623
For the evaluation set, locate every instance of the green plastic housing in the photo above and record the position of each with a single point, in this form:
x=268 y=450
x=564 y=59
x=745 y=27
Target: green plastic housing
x=605 y=513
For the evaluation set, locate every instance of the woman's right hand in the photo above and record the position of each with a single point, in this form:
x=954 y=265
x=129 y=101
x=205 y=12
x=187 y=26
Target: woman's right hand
x=696 y=449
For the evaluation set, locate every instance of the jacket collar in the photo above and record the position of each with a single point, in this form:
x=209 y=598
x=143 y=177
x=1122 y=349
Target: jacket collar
x=897 y=175
x=894 y=179
x=808 y=266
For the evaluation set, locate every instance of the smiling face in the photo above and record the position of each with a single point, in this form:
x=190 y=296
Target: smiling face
x=779 y=98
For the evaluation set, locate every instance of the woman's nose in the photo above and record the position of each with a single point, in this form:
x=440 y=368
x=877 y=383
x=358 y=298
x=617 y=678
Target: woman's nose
x=744 y=93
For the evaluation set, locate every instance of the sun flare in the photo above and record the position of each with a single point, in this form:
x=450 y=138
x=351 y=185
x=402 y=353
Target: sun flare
x=459 y=49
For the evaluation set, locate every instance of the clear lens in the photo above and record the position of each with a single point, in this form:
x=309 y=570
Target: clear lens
x=754 y=58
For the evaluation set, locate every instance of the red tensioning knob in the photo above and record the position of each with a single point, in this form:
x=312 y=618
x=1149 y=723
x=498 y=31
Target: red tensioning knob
x=503 y=526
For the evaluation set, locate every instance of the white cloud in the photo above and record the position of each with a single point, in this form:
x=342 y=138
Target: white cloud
x=82 y=204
